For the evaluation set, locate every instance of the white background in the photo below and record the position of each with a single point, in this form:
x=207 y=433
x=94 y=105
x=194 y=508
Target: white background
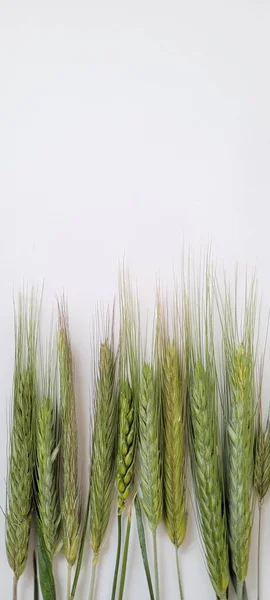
x=128 y=128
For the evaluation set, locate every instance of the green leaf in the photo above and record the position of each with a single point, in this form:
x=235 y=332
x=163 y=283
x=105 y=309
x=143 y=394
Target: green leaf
x=142 y=541
x=46 y=578
x=35 y=577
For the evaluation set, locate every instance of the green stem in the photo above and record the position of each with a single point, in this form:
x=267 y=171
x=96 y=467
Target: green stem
x=156 y=564
x=222 y=596
x=36 y=594
x=69 y=571
x=15 y=587
x=259 y=551
x=179 y=573
x=119 y=519
x=81 y=548
x=239 y=589
x=93 y=578
x=125 y=556
x=142 y=541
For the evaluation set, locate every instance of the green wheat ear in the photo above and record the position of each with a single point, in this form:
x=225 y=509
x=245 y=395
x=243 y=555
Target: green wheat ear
x=70 y=500
x=126 y=446
x=103 y=448
x=174 y=445
x=150 y=452
x=239 y=428
x=21 y=453
x=204 y=436
x=261 y=471
x=47 y=463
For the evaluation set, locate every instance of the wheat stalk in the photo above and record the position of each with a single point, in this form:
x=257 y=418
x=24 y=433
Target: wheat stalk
x=70 y=501
x=150 y=454
x=47 y=471
x=103 y=450
x=21 y=455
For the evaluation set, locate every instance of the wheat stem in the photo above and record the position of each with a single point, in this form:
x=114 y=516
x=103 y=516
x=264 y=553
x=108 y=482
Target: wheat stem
x=239 y=589
x=15 y=587
x=156 y=564
x=119 y=521
x=259 y=551
x=179 y=573
x=125 y=556
x=93 y=579
x=69 y=571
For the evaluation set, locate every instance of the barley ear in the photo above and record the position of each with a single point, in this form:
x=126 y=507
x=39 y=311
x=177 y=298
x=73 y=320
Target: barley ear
x=70 y=501
x=21 y=451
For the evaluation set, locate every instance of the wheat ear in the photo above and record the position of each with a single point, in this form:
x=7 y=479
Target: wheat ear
x=261 y=474
x=207 y=473
x=174 y=446
x=70 y=502
x=204 y=434
x=239 y=416
x=21 y=456
x=150 y=454
x=129 y=366
x=103 y=450
x=47 y=461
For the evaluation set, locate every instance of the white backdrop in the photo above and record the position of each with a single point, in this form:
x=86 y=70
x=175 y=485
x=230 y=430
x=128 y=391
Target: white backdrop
x=128 y=128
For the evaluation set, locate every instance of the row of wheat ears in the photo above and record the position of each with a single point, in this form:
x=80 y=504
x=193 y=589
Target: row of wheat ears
x=159 y=408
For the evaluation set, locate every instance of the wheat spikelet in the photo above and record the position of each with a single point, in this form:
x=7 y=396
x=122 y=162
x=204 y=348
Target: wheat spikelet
x=21 y=458
x=174 y=452
x=126 y=446
x=70 y=502
x=262 y=462
x=207 y=472
x=48 y=506
x=103 y=448
x=150 y=455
